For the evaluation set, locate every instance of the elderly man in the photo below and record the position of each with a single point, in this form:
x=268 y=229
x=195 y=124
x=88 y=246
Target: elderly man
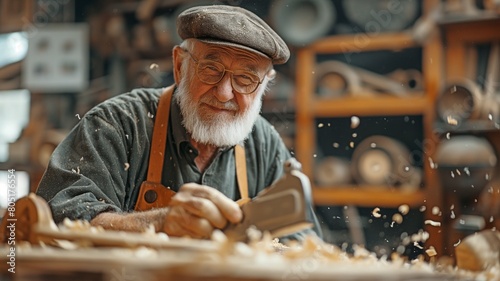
x=139 y=159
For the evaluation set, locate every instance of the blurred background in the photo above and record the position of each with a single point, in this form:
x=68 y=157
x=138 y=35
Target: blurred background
x=391 y=106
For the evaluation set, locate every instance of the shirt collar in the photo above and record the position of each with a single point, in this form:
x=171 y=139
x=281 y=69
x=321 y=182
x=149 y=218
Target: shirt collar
x=180 y=135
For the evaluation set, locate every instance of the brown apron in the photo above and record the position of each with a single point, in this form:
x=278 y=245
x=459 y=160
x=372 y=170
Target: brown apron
x=152 y=193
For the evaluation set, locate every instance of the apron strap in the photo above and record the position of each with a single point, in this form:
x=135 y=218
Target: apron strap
x=160 y=131
x=152 y=194
x=241 y=174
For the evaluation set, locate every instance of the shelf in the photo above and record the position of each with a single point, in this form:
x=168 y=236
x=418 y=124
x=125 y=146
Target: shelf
x=363 y=42
x=460 y=32
x=470 y=126
x=484 y=17
x=377 y=196
x=366 y=106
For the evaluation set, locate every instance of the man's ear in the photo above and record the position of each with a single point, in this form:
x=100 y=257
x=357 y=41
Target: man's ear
x=177 y=58
x=271 y=74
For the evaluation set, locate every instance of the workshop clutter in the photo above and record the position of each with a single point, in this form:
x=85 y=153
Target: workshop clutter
x=301 y=22
x=376 y=161
x=337 y=79
x=465 y=98
x=467 y=104
x=466 y=164
x=459 y=101
x=380 y=160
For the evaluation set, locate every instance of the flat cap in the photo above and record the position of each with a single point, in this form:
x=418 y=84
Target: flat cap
x=232 y=26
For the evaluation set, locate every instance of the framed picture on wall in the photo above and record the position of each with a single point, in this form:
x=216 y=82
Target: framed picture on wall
x=57 y=59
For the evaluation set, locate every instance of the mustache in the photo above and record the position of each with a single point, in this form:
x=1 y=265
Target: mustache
x=229 y=105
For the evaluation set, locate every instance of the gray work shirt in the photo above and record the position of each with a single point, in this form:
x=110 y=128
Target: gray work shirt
x=102 y=162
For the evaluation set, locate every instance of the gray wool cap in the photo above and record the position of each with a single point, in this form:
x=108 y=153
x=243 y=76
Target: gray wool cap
x=232 y=26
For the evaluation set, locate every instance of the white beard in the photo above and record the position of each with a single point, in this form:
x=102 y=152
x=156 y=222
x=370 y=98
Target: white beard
x=216 y=129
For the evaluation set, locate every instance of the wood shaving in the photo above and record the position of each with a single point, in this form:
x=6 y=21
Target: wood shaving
x=150 y=230
x=421 y=236
x=433 y=223
x=376 y=213
x=431 y=251
x=404 y=209
x=254 y=234
x=451 y=120
x=354 y=122
x=144 y=252
x=79 y=226
x=397 y=218
x=218 y=236
x=67 y=245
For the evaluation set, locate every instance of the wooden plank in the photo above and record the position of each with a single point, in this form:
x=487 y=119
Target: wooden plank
x=16 y=15
x=363 y=42
x=305 y=134
x=363 y=106
x=470 y=71
x=433 y=191
x=373 y=196
x=455 y=61
x=114 y=264
x=472 y=32
x=433 y=67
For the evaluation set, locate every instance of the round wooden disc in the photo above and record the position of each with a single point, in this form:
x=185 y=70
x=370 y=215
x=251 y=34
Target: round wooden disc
x=375 y=166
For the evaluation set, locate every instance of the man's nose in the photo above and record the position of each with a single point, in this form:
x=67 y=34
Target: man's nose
x=224 y=91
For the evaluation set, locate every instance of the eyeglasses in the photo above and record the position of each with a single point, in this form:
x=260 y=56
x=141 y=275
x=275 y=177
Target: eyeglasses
x=211 y=72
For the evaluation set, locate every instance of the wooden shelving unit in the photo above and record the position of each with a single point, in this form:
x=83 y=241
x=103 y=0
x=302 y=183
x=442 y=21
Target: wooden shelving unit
x=310 y=106
x=366 y=196
x=459 y=35
x=445 y=55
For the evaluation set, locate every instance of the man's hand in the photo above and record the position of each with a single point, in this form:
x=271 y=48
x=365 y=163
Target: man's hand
x=196 y=210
